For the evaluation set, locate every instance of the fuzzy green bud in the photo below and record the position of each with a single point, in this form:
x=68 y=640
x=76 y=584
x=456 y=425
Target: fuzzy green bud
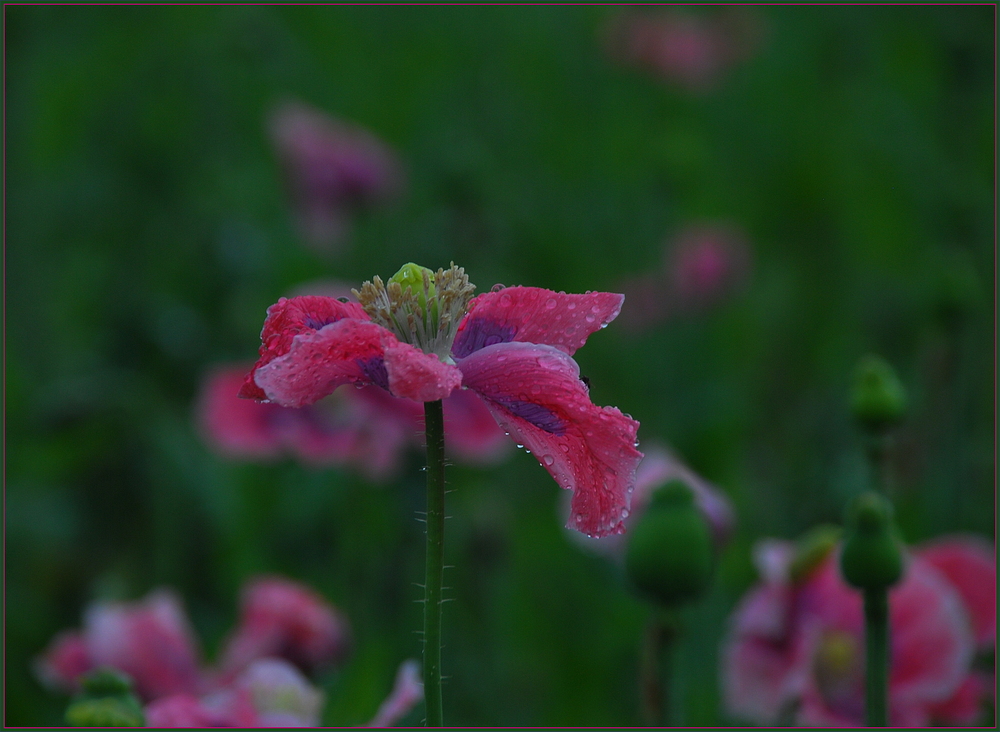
x=811 y=549
x=872 y=556
x=105 y=700
x=878 y=399
x=669 y=554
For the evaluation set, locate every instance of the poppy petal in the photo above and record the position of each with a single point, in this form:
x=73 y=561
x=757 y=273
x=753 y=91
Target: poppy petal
x=536 y=395
x=534 y=315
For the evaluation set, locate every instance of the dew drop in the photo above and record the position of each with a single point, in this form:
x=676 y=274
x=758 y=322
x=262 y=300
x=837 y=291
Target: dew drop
x=571 y=306
x=505 y=300
x=550 y=303
x=564 y=448
x=497 y=287
x=596 y=309
x=624 y=513
x=548 y=459
x=343 y=299
x=603 y=326
x=520 y=446
x=591 y=318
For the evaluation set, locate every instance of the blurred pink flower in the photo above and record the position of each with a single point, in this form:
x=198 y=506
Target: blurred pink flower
x=796 y=649
x=657 y=468
x=692 y=51
x=366 y=428
x=332 y=169
x=284 y=619
x=150 y=640
x=407 y=692
x=705 y=265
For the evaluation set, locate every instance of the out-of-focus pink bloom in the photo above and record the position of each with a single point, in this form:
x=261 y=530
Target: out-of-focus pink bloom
x=513 y=347
x=797 y=648
x=407 y=692
x=332 y=169
x=367 y=428
x=657 y=468
x=150 y=640
x=269 y=693
x=287 y=620
x=273 y=693
x=692 y=51
x=703 y=266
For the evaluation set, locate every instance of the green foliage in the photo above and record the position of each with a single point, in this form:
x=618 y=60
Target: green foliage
x=147 y=230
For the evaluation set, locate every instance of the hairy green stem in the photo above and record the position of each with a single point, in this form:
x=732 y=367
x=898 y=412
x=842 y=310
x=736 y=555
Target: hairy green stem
x=434 y=430
x=876 y=655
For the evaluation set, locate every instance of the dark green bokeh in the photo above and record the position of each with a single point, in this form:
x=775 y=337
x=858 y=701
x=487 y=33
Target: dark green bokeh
x=147 y=231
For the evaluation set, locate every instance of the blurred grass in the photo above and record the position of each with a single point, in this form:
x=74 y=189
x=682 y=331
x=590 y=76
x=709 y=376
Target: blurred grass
x=147 y=231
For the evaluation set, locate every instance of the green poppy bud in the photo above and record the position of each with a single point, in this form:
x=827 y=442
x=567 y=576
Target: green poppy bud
x=414 y=277
x=872 y=556
x=669 y=551
x=878 y=400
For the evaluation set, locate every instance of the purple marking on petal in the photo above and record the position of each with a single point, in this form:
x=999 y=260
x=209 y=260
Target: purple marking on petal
x=317 y=323
x=479 y=333
x=542 y=417
x=374 y=369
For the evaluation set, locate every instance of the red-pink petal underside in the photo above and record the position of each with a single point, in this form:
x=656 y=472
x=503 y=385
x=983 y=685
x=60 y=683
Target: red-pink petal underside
x=970 y=564
x=416 y=375
x=534 y=315
x=288 y=318
x=536 y=395
x=317 y=362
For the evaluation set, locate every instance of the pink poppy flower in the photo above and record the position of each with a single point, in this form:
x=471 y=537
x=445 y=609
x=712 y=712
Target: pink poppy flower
x=795 y=649
x=285 y=619
x=513 y=347
x=692 y=51
x=150 y=640
x=332 y=169
x=659 y=467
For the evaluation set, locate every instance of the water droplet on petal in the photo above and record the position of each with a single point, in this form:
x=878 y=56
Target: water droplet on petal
x=596 y=309
x=564 y=448
x=624 y=513
x=571 y=306
x=520 y=446
x=550 y=303
x=505 y=300
x=497 y=287
x=548 y=459
x=591 y=318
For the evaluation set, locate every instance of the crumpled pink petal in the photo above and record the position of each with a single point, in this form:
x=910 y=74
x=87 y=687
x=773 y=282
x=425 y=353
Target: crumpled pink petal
x=284 y=619
x=970 y=565
x=407 y=692
x=150 y=640
x=317 y=362
x=536 y=395
x=423 y=377
x=534 y=315
x=291 y=317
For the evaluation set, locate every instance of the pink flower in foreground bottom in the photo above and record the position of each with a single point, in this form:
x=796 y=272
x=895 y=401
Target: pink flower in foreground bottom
x=795 y=649
x=285 y=629
x=512 y=347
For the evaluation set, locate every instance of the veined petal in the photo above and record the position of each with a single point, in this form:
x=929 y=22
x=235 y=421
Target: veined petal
x=288 y=318
x=413 y=374
x=317 y=362
x=534 y=315
x=536 y=395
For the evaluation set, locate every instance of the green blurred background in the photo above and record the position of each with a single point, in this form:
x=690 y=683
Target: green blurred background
x=147 y=230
